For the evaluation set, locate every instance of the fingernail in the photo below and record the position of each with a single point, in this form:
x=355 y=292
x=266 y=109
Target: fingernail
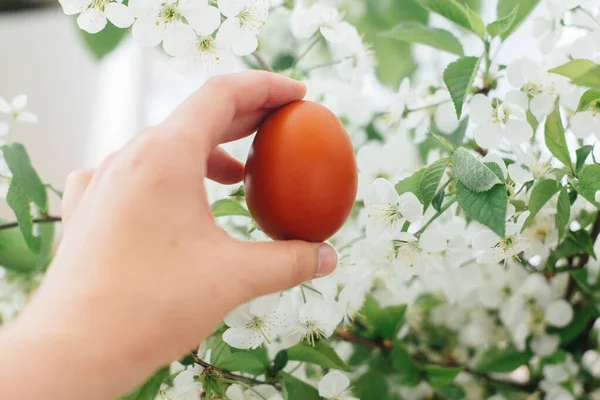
x=327 y=260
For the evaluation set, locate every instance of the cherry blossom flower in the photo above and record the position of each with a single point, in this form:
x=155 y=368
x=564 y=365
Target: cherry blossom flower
x=245 y=19
x=387 y=211
x=175 y=23
x=498 y=121
x=93 y=14
x=335 y=386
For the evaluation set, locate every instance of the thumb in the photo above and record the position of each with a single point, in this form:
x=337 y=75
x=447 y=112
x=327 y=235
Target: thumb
x=274 y=266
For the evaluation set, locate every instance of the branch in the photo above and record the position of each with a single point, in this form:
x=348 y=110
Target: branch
x=262 y=62
x=347 y=336
x=386 y=345
x=228 y=375
x=42 y=220
x=594 y=235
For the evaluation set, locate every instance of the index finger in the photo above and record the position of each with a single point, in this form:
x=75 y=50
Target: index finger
x=204 y=119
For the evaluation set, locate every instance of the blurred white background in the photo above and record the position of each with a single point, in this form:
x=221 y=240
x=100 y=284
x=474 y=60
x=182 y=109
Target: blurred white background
x=88 y=109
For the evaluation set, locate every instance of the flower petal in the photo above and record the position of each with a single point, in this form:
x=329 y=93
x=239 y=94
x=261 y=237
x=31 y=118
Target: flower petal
x=445 y=118
x=119 y=14
x=333 y=384
x=541 y=106
x=179 y=39
x=519 y=98
x=410 y=207
x=5 y=108
x=243 y=338
x=19 y=102
x=496 y=159
x=517 y=131
x=336 y=33
x=148 y=32
x=489 y=135
x=246 y=43
x=92 y=20
x=238 y=317
x=582 y=124
x=4 y=129
x=72 y=7
x=559 y=313
x=204 y=20
x=26 y=116
x=230 y=8
x=480 y=109
x=264 y=305
x=518 y=174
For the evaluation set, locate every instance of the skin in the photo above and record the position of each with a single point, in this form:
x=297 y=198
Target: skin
x=143 y=274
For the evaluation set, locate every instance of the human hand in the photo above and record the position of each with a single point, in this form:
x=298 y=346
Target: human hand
x=143 y=273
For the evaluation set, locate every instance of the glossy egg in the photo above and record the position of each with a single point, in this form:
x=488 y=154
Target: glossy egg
x=300 y=177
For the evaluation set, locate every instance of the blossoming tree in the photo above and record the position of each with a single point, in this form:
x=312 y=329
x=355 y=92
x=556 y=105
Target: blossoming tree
x=468 y=268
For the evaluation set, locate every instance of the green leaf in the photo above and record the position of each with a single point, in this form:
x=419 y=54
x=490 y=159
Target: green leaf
x=571 y=332
x=411 y=184
x=321 y=354
x=591 y=97
x=488 y=208
x=242 y=361
x=499 y=360
x=46 y=234
x=582 y=154
x=555 y=137
x=532 y=121
x=386 y=321
x=459 y=77
x=438 y=200
x=563 y=212
x=149 y=389
x=404 y=365
x=226 y=207
x=451 y=392
x=503 y=24
x=280 y=361
x=295 y=389
x=540 y=195
x=394 y=57
x=14 y=252
x=414 y=32
x=25 y=188
x=589 y=183
x=505 y=7
x=574 y=68
x=591 y=78
x=440 y=376
x=444 y=142
x=474 y=174
x=104 y=42
x=372 y=386
x=457 y=13
x=575 y=243
x=432 y=176
x=495 y=168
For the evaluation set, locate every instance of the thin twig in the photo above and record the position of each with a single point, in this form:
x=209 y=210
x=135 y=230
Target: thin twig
x=308 y=49
x=262 y=62
x=43 y=220
x=436 y=216
x=225 y=374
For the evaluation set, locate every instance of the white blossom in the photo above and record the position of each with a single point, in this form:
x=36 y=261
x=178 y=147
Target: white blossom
x=335 y=386
x=306 y=21
x=387 y=211
x=498 y=121
x=93 y=14
x=253 y=323
x=245 y=19
x=175 y=23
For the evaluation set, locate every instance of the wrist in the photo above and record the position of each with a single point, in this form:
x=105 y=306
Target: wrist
x=68 y=356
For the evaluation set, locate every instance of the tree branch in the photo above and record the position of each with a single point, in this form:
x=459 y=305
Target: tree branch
x=42 y=220
x=228 y=375
x=386 y=345
x=262 y=62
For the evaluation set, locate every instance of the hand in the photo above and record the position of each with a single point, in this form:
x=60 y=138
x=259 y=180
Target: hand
x=143 y=274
